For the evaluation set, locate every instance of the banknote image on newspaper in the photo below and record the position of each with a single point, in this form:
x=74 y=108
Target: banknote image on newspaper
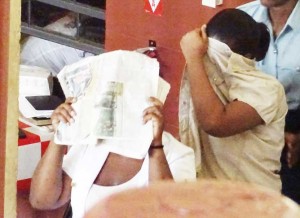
x=75 y=78
x=109 y=109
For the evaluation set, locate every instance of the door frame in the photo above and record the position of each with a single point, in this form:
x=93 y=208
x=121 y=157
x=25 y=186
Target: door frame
x=10 y=12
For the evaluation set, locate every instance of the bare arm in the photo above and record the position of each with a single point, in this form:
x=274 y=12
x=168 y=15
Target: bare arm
x=158 y=165
x=214 y=117
x=50 y=186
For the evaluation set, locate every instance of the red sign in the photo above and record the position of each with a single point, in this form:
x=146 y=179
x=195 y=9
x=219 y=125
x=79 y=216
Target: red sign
x=153 y=6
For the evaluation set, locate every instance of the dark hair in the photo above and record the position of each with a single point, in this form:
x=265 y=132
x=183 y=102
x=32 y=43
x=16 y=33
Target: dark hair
x=240 y=32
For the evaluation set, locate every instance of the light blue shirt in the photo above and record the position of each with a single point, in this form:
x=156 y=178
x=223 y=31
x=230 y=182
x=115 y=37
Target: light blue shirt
x=283 y=57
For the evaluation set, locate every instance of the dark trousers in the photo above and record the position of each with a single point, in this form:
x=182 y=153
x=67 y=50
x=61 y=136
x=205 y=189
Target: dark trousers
x=290 y=177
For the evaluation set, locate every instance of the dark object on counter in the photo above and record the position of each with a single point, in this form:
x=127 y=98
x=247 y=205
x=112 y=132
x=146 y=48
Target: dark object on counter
x=22 y=134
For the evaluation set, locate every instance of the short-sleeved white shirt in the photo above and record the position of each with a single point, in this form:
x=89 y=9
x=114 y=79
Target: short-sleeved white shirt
x=83 y=163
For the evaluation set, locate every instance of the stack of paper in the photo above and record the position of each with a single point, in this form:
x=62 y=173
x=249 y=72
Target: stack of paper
x=34 y=81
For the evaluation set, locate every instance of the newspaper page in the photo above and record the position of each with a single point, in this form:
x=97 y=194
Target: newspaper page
x=111 y=102
x=75 y=78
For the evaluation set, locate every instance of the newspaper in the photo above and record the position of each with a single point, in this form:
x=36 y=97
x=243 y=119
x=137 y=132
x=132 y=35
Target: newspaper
x=112 y=90
x=75 y=78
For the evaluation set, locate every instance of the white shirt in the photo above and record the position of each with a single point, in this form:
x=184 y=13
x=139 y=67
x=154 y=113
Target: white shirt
x=83 y=163
x=50 y=55
x=98 y=192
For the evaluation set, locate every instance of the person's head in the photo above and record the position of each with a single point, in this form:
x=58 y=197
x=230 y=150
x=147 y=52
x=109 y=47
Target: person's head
x=240 y=32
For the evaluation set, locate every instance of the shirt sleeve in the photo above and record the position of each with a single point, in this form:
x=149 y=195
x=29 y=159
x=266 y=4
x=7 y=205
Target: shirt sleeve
x=181 y=159
x=259 y=90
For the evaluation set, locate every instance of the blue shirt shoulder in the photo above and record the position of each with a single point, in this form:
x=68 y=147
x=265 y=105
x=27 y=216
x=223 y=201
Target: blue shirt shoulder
x=283 y=57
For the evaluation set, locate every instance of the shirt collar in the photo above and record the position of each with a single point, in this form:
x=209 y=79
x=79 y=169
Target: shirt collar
x=263 y=15
x=292 y=22
x=294 y=18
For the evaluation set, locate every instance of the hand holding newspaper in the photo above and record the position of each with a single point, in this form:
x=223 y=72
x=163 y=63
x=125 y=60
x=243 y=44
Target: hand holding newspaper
x=112 y=91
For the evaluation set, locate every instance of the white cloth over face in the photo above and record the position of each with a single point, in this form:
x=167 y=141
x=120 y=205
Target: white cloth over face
x=83 y=163
x=253 y=155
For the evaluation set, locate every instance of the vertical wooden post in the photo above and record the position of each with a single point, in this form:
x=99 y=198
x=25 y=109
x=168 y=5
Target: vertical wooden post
x=9 y=71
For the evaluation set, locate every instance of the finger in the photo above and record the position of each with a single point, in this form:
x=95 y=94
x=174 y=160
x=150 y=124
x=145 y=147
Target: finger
x=151 y=116
x=156 y=117
x=57 y=118
x=67 y=108
x=155 y=102
x=64 y=113
x=153 y=110
x=62 y=116
x=70 y=100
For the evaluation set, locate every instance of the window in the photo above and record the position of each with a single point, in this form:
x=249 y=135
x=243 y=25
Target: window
x=89 y=22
